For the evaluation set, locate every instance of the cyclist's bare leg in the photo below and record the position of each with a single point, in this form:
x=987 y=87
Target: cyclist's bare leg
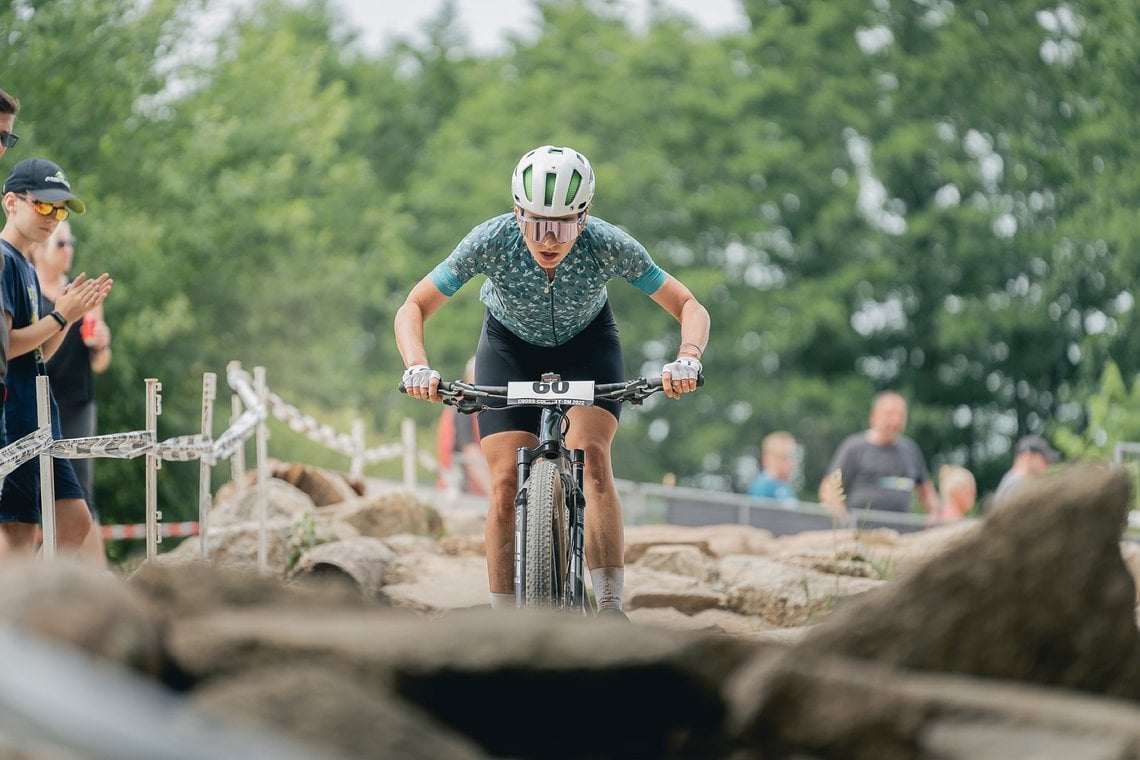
x=500 y=451
x=593 y=429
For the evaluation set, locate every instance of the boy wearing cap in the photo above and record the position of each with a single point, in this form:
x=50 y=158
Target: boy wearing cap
x=36 y=197
x=1032 y=456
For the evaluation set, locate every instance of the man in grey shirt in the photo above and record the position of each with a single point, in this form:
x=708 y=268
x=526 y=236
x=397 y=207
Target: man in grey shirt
x=879 y=468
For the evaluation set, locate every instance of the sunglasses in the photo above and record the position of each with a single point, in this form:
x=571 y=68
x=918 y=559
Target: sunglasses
x=43 y=208
x=537 y=229
x=8 y=139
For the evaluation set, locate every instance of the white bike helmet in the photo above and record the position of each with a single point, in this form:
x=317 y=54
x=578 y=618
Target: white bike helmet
x=550 y=181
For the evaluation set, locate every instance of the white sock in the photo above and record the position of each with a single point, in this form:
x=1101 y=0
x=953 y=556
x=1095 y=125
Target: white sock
x=502 y=601
x=609 y=582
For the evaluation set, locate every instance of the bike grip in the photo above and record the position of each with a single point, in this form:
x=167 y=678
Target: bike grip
x=656 y=382
x=442 y=386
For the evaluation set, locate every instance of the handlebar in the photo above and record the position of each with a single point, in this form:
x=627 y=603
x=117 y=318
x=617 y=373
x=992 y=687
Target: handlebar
x=468 y=398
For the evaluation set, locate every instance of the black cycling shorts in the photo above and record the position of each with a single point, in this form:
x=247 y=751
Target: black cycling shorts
x=593 y=354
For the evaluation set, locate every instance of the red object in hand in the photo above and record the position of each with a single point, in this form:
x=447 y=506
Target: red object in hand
x=87 y=328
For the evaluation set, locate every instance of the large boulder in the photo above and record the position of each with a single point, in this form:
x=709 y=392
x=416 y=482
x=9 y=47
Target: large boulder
x=1040 y=593
x=68 y=602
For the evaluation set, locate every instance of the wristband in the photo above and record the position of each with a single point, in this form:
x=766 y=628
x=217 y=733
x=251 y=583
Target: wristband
x=693 y=346
x=59 y=318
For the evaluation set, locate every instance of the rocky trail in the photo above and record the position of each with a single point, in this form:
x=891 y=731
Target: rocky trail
x=1013 y=637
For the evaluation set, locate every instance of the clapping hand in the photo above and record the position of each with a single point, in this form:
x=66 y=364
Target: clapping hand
x=79 y=296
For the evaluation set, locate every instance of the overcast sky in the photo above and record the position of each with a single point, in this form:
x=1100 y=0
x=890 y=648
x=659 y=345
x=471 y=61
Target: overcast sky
x=486 y=20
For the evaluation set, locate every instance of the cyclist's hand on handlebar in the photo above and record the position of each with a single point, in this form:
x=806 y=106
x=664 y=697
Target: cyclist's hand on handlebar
x=421 y=381
x=680 y=376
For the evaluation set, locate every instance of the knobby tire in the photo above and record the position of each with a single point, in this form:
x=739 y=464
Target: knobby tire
x=547 y=536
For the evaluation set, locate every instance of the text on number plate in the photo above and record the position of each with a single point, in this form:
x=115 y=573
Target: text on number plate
x=571 y=392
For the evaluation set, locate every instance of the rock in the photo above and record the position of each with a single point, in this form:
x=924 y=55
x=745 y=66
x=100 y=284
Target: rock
x=321 y=485
x=463 y=546
x=654 y=588
x=785 y=595
x=237 y=546
x=93 y=612
x=361 y=560
x=283 y=501
x=680 y=559
x=711 y=540
x=179 y=592
x=449 y=668
x=1039 y=594
x=459 y=521
x=331 y=708
x=434 y=583
x=788 y=703
x=389 y=514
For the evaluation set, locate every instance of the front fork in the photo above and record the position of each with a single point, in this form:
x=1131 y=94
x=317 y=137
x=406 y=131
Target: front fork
x=577 y=530
x=522 y=472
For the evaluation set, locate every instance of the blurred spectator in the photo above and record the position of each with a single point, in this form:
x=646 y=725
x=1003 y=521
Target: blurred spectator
x=9 y=108
x=1032 y=455
x=879 y=468
x=461 y=462
x=958 y=491
x=84 y=352
x=778 y=462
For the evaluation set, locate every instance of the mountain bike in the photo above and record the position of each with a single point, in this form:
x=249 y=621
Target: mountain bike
x=550 y=504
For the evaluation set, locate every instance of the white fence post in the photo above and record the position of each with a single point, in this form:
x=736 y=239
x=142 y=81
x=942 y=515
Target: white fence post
x=47 y=481
x=205 y=498
x=237 y=462
x=356 y=468
x=408 y=436
x=153 y=462
x=262 y=471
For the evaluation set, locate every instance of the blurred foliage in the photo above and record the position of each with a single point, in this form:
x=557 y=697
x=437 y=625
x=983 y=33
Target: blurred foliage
x=926 y=197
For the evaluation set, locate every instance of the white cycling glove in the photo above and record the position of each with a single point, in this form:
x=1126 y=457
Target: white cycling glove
x=682 y=368
x=419 y=376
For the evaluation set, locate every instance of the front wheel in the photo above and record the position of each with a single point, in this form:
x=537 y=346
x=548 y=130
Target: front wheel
x=547 y=536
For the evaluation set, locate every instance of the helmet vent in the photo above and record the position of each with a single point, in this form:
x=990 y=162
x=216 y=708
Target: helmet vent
x=528 y=182
x=551 y=179
x=575 y=183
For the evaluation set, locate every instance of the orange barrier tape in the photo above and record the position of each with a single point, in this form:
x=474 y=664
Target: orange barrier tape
x=124 y=532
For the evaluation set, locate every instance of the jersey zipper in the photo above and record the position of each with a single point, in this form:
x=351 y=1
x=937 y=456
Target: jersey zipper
x=553 y=323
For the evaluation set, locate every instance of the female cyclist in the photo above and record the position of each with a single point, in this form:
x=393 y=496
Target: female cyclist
x=547 y=265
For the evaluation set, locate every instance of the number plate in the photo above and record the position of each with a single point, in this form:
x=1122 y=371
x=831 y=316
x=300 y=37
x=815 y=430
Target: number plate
x=567 y=392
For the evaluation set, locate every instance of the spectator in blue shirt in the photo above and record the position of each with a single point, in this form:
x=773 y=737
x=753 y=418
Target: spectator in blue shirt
x=778 y=460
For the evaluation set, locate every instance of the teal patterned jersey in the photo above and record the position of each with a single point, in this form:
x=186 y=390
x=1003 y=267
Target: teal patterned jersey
x=517 y=292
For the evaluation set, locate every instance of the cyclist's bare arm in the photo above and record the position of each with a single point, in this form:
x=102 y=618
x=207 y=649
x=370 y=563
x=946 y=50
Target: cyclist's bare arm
x=421 y=303
x=679 y=301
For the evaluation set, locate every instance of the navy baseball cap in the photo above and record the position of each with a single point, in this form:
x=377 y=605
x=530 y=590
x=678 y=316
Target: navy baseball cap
x=44 y=181
x=1038 y=445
